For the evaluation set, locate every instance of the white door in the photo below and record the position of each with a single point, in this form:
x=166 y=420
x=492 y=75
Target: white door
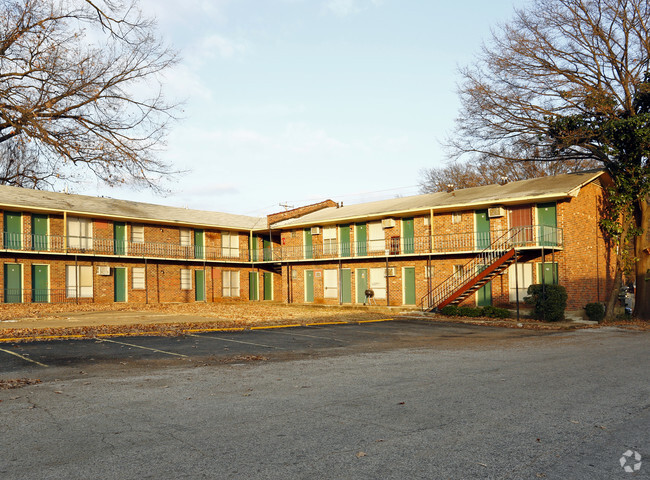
x=524 y=280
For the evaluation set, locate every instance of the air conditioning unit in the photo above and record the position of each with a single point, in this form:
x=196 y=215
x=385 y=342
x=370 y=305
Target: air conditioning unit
x=103 y=270
x=496 y=212
x=390 y=272
x=387 y=223
x=315 y=230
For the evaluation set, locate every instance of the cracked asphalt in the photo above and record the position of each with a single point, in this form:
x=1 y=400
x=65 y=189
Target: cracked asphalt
x=378 y=400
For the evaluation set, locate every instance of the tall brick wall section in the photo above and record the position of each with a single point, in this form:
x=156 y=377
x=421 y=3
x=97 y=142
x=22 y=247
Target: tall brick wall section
x=298 y=212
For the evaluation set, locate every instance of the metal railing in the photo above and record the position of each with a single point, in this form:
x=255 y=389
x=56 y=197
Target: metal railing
x=526 y=237
x=516 y=237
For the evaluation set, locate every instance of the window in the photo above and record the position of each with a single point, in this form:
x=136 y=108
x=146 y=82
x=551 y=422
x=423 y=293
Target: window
x=186 y=237
x=519 y=285
x=329 y=240
x=330 y=283
x=229 y=284
x=186 y=279
x=376 y=239
x=138 y=280
x=427 y=221
x=230 y=244
x=137 y=233
x=79 y=281
x=458 y=270
x=428 y=271
x=80 y=233
x=456 y=217
x=378 y=282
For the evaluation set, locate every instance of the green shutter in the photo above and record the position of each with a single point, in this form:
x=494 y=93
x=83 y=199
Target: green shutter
x=13 y=230
x=13 y=283
x=346 y=284
x=309 y=286
x=199 y=250
x=119 y=276
x=409 y=286
x=40 y=284
x=253 y=286
x=119 y=238
x=408 y=232
x=39 y=232
x=199 y=283
x=268 y=286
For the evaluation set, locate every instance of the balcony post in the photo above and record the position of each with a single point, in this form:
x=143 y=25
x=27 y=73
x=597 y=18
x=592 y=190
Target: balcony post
x=65 y=232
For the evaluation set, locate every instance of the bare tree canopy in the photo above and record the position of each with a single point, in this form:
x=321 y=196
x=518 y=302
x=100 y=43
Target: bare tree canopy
x=80 y=86
x=567 y=80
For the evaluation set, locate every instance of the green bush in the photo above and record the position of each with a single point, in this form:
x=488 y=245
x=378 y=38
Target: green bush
x=548 y=301
x=595 y=312
x=450 y=310
x=469 y=312
x=495 y=312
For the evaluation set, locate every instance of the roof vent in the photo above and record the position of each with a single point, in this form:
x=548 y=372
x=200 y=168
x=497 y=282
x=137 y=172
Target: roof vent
x=503 y=180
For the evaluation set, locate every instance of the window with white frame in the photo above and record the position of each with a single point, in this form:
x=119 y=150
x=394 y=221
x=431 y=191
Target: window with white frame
x=80 y=232
x=230 y=283
x=456 y=217
x=186 y=279
x=331 y=283
x=376 y=239
x=427 y=221
x=458 y=270
x=79 y=281
x=186 y=237
x=137 y=233
x=230 y=244
x=137 y=276
x=329 y=240
x=378 y=282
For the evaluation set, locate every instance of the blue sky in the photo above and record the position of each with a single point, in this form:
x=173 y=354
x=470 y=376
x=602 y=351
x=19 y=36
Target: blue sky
x=302 y=100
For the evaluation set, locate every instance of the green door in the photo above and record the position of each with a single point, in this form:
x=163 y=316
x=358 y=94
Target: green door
x=13 y=230
x=119 y=238
x=253 y=249
x=408 y=236
x=13 y=283
x=39 y=232
x=362 y=284
x=253 y=286
x=547 y=221
x=199 y=249
x=409 y=286
x=361 y=241
x=482 y=229
x=268 y=286
x=120 y=284
x=344 y=236
x=309 y=286
x=199 y=282
x=40 y=287
x=547 y=273
x=309 y=246
x=484 y=294
x=346 y=285
x=267 y=250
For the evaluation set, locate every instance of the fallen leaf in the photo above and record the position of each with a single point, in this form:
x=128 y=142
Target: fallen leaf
x=361 y=454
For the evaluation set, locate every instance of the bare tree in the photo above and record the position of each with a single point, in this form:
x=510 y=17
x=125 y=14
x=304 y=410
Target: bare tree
x=566 y=80
x=80 y=86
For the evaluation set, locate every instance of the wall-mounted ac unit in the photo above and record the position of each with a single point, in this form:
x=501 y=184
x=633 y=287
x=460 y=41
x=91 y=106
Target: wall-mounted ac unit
x=103 y=270
x=390 y=272
x=315 y=230
x=387 y=223
x=496 y=212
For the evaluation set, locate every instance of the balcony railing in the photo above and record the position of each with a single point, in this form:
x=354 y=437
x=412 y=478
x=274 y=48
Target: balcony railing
x=533 y=236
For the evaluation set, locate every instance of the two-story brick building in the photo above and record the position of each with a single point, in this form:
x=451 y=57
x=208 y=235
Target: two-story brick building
x=424 y=250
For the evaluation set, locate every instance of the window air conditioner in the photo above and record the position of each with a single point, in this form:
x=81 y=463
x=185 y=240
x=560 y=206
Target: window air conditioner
x=103 y=270
x=315 y=230
x=387 y=223
x=496 y=212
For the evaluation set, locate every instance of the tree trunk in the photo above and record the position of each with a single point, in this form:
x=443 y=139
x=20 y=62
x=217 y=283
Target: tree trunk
x=642 y=267
x=610 y=309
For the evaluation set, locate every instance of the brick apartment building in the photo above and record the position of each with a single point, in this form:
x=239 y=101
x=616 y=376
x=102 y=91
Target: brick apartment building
x=425 y=250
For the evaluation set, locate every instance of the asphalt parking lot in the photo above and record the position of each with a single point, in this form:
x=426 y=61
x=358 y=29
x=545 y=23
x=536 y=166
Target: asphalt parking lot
x=389 y=400
x=232 y=346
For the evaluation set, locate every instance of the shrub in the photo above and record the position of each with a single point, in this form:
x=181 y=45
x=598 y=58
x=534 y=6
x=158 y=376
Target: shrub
x=495 y=312
x=595 y=312
x=548 y=301
x=469 y=312
x=449 y=310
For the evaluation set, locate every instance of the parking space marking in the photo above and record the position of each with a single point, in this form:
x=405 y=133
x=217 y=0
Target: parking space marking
x=145 y=348
x=22 y=357
x=305 y=335
x=234 y=341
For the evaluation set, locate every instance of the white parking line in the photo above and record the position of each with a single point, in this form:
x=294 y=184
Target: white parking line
x=22 y=357
x=144 y=348
x=304 y=335
x=234 y=341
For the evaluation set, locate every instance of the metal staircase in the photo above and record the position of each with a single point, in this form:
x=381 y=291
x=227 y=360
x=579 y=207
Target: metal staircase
x=486 y=265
